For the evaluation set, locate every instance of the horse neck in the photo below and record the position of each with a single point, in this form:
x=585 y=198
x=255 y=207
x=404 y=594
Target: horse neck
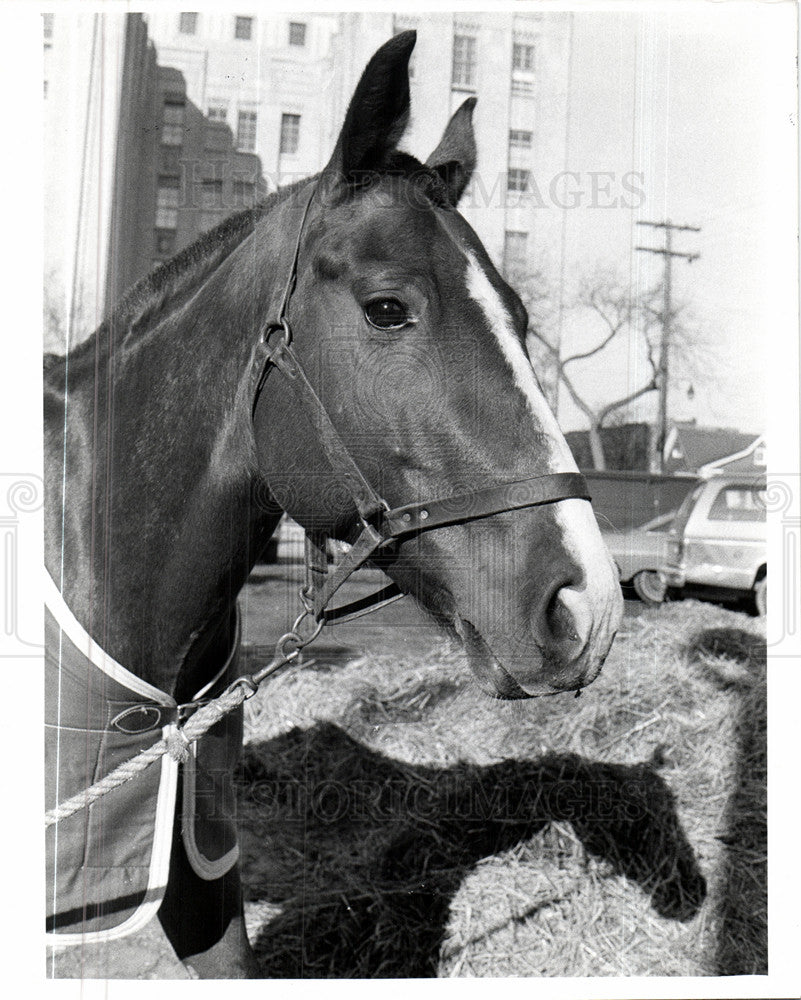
x=150 y=463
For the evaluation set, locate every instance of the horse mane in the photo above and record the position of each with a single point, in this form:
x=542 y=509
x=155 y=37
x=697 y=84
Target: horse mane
x=190 y=266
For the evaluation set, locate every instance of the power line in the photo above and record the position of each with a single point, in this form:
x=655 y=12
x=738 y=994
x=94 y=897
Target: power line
x=664 y=354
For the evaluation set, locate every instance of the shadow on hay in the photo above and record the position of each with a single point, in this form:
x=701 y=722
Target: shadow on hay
x=735 y=659
x=364 y=854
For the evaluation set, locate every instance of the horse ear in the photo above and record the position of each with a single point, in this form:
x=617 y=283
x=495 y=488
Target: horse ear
x=378 y=112
x=454 y=159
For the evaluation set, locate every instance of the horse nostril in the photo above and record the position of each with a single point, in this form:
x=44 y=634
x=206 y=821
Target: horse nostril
x=560 y=622
x=567 y=622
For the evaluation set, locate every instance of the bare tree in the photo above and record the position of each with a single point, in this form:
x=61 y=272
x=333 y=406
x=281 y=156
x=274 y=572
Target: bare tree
x=616 y=313
x=537 y=295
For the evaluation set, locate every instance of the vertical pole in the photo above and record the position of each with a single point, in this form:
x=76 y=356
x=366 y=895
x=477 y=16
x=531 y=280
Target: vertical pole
x=659 y=438
x=664 y=354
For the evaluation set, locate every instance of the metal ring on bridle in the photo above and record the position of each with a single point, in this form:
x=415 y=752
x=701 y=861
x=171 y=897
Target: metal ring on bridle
x=294 y=638
x=270 y=327
x=294 y=633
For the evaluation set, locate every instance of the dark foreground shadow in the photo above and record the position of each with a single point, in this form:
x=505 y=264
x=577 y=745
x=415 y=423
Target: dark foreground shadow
x=364 y=854
x=736 y=659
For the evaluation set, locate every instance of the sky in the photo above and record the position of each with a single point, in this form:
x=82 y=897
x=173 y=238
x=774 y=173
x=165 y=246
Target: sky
x=689 y=98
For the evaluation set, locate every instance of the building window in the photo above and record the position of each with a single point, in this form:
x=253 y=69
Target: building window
x=173 y=117
x=217 y=113
x=165 y=241
x=515 y=245
x=518 y=179
x=172 y=135
x=522 y=68
x=243 y=28
x=522 y=58
x=297 y=33
x=246 y=131
x=167 y=203
x=464 y=61
x=170 y=160
x=244 y=194
x=211 y=194
x=290 y=134
x=520 y=139
x=187 y=23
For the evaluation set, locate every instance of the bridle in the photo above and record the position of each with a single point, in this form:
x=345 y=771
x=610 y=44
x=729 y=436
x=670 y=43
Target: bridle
x=381 y=524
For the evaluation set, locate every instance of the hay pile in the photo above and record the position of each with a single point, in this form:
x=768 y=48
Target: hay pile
x=397 y=822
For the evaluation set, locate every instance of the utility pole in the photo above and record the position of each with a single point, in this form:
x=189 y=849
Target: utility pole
x=664 y=354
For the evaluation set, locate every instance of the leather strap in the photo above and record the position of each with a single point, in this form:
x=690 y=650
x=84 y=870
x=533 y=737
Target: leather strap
x=363 y=605
x=522 y=493
x=368 y=502
x=414 y=518
x=365 y=545
x=380 y=524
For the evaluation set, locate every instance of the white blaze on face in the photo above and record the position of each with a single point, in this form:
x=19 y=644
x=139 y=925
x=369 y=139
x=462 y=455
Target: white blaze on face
x=481 y=291
x=579 y=529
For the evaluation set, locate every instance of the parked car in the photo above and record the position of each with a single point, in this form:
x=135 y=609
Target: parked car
x=717 y=544
x=638 y=554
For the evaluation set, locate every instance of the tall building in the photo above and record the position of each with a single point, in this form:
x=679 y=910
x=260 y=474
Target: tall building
x=517 y=67
x=134 y=169
x=283 y=82
x=200 y=175
x=268 y=77
x=168 y=150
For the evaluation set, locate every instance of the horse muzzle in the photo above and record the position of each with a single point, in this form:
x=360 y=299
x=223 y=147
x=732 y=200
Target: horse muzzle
x=563 y=652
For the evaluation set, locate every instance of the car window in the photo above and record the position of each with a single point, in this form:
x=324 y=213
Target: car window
x=738 y=503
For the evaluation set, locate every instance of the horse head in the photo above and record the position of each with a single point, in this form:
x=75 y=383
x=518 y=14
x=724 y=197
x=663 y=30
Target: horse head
x=414 y=344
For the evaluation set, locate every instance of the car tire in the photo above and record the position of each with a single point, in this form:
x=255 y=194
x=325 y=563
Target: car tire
x=761 y=596
x=649 y=588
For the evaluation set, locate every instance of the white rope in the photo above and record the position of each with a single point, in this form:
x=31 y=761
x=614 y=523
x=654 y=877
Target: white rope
x=176 y=745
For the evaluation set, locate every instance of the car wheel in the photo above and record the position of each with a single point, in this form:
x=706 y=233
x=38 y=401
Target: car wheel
x=761 y=596
x=648 y=587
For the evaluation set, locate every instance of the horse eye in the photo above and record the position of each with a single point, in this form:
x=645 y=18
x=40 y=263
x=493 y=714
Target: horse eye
x=386 y=314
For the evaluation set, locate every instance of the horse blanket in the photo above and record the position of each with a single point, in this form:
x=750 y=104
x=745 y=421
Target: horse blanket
x=107 y=865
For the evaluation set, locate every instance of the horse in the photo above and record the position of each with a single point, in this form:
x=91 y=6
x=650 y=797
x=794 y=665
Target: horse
x=347 y=353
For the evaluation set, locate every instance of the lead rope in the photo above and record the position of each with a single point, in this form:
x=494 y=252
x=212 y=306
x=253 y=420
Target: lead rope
x=177 y=744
